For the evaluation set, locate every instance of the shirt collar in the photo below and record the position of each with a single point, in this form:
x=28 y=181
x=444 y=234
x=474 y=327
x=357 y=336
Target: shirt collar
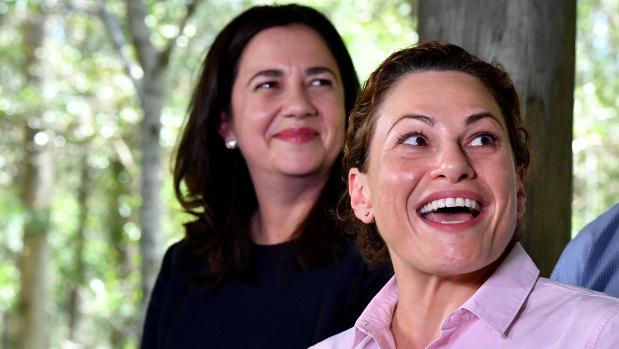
x=376 y=318
x=500 y=298
x=496 y=302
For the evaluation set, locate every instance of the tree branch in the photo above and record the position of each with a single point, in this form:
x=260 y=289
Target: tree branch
x=119 y=42
x=147 y=53
x=167 y=52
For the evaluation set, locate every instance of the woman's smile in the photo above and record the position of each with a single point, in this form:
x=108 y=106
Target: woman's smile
x=297 y=135
x=454 y=210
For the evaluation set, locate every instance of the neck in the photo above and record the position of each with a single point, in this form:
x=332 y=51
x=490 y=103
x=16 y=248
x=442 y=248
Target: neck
x=424 y=301
x=282 y=207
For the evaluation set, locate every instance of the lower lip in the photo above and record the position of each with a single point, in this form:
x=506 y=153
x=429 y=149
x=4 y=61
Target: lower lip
x=453 y=226
x=297 y=135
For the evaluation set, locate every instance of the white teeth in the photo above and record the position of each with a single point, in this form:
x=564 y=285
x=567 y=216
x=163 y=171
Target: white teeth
x=450 y=202
x=475 y=205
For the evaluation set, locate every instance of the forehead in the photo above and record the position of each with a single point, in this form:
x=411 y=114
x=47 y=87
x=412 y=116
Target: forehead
x=290 y=45
x=442 y=95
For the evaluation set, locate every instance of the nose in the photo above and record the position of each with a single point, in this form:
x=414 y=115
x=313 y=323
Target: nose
x=297 y=103
x=452 y=163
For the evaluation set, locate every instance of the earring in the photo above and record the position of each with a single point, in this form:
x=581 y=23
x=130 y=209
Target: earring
x=231 y=143
x=366 y=213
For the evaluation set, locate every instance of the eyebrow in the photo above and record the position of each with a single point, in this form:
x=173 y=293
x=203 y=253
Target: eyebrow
x=272 y=73
x=276 y=73
x=430 y=122
x=319 y=70
x=425 y=119
x=479 y=116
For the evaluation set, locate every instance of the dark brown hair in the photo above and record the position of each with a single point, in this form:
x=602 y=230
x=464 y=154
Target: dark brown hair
x=431 y=56
x=213 y=184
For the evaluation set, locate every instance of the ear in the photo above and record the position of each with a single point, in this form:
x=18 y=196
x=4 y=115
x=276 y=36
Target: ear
x=225 y=127
x=360 y=196
x=521 y=193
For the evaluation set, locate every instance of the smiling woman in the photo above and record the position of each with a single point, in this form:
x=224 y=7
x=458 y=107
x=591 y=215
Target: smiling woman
x=435 y=145
x=436 y=155
x=288 y=116
x=263 y=264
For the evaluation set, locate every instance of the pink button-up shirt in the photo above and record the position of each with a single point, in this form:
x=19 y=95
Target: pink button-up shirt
x=514 y=308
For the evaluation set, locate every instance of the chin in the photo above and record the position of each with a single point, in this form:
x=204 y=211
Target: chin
x=303 y=167
x=459 y=262
x=301 y=171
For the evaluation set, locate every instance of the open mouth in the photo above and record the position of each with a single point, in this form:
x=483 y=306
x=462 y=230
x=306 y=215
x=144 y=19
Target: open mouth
x=450 y=210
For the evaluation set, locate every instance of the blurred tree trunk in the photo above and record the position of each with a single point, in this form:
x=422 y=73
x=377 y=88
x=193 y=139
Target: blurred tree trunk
x=120 y=333
x=38 y=182
x=152 y=94
x=151 y=88
x=116 y=227
x=535 y=41
x=77 y=280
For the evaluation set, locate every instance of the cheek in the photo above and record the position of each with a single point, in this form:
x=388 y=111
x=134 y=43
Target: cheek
x=334 y=114
x=399 y=171
x=397 y=179
x=498 y=171
x=253 y=119
x=510 y=182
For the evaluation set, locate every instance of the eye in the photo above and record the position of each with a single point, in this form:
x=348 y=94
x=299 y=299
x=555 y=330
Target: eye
x=321 y=82
x=484 y=139
x=267 y=85
x=417 y=139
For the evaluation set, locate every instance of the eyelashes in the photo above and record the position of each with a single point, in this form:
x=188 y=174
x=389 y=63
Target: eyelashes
x=267 y=85
x=314 y=83
x=479 y=139
x=485 y=138
x=418 y=138
x=321 y=82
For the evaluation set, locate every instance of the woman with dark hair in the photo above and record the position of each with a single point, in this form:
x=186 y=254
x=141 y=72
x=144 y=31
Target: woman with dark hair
x=258 y=165
x=436 y=155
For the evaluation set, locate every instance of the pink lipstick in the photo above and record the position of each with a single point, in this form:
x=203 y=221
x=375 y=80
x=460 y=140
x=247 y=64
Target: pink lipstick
x=297 y=135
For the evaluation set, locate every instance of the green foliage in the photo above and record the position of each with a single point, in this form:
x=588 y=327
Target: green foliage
x=596 y=117
x=37 y=222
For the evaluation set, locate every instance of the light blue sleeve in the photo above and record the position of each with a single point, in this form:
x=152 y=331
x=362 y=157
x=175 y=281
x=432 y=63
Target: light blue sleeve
x=569 y=268
x=591 y=259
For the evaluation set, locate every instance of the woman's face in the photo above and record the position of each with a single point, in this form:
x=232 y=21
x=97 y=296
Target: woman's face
x=288 y=113
x=440 y=140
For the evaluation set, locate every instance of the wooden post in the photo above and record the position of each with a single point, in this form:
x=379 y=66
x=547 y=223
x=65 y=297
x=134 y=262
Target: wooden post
x=535 y=41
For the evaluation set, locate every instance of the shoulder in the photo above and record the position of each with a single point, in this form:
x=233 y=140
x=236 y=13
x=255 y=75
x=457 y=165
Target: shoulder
x=598 y=234
x=590 y=259
x=570 y=293
x=178 y=263
x=175 y=254
x=560 y=315
x=606 y=222
x=591 y=306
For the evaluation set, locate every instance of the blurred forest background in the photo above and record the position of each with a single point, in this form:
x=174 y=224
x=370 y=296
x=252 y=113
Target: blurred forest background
x=92 y=96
